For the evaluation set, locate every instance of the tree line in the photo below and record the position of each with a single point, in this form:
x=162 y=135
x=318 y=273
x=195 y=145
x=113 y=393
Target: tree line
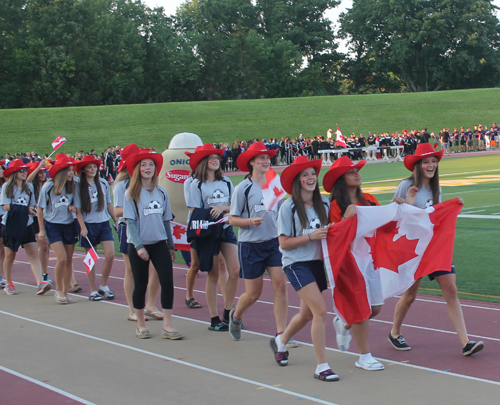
x=57 y=53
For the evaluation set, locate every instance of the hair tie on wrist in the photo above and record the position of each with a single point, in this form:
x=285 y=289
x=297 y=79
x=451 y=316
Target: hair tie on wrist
x=250 y=221
x=309 y=237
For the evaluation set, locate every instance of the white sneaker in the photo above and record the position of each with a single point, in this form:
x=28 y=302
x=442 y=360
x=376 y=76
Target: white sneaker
x=343 y=335
x=292 y=343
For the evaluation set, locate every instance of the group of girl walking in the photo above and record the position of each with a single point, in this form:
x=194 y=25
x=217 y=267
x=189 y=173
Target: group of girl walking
x=286 y=241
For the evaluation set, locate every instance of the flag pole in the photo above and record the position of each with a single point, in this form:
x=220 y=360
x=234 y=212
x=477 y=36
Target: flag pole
x=51 y=154
x=88 y=240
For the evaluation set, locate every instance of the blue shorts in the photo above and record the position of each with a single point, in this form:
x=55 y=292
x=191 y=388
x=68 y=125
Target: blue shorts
x=227 y=236
x=301 y=274
x=255 y=258
x=122 y=238
x=65 y=233
x=97 y=233
x=30 y=238
x=1 y=226
x=432 y=276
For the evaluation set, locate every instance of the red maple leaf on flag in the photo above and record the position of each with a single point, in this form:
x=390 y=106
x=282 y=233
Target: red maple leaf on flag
x=277 y=191
x=388 y=253
x=178 y=231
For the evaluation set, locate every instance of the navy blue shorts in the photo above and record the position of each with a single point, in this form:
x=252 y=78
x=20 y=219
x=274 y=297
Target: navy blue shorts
x=97 y=233
x=227 y=236
x=30 y=238
x=255 y=258
x=301 y=274
x=432 y=276
x=1 y=226
x=65 y=233
x=122 y=238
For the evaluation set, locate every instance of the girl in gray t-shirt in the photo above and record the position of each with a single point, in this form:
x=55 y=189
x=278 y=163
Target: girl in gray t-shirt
x=258 y=239
x=422 y=190
x=211 y=190
x=55 y=219
x=2 y=212
x=302 y=224
x=18 y=193
x=93 y=211
x=146 y=208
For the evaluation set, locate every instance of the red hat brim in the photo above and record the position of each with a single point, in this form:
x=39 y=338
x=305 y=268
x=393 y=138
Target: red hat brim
x=135 y=158
x=340 y=167
x=87 y=160
x=299 y=164
x=423 y=150
x=255 y=149
x=62 y=162
x=202 y=152
x=33 y=166
x=14 y=166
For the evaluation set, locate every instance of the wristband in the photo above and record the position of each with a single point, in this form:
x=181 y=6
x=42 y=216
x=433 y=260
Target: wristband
x=309 y=237
x=250 y=221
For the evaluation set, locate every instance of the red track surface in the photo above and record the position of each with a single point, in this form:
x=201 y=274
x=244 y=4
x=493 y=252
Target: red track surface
x=429 y=330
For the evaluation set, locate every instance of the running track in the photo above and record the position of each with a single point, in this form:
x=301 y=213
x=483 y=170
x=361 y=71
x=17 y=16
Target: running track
x=435 y=347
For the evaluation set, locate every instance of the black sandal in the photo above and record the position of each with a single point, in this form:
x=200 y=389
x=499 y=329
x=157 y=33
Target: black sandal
x=192 y=303
x=280 y=357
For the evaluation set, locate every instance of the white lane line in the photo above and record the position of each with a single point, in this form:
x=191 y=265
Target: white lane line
x=182 y=362
x=472 y=212
x=479 y=216
x=440 y=175
x=47 y=386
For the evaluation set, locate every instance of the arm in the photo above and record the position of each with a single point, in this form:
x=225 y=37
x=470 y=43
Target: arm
x=111 y=211
x=170 y=240
x=41 y=224
x=79 y=217
x=118 y=211
x=235 y=220
x=133 y=230
x=6 y=207
x=290 y=242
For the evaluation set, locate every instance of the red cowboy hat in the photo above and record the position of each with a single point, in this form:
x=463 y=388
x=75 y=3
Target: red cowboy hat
x=340 y=167
x=125 y=153
x=14 y=166
x=299 y=164
x=33 y=165
x=142 y=154
x=200 y=152
x=423 y=150
x=255 y=149
x=62 y=162
x=87 y=160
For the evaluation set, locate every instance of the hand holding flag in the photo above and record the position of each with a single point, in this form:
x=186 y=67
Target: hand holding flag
x=272 y=191
x=91 y=258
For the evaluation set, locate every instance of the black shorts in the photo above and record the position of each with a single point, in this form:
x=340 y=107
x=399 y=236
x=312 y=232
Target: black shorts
x=432 y=276
x=30 y=238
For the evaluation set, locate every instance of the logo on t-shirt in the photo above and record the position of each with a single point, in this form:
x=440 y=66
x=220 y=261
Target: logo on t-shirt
x=154 y=207
x=314 y=223
x=218 y=197
x=260 y=207
x=94 y=196
x=429 y=202
x=22 y=201
x=63 y=202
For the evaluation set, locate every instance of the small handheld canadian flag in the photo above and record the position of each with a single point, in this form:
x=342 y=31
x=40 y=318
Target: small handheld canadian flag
x=272 y=191
x=340 y=138
x=58 y=142
x=91 y=258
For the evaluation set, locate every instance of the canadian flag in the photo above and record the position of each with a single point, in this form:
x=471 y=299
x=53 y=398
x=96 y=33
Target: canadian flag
x=272 y=191
x=401 y=243
x=90 y=260
x=57 y=143
x=179 y=232
x=340 y=138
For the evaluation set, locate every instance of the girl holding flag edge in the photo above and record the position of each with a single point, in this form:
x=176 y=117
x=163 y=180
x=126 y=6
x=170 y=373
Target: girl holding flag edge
x=422 y=190
x=94 y=209
x=343 y=182
x=147 y=211
x=258 y=239
x=302 y=224
x=55 y=218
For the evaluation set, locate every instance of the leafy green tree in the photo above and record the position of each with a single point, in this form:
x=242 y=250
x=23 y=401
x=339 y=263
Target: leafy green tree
x=425 y=44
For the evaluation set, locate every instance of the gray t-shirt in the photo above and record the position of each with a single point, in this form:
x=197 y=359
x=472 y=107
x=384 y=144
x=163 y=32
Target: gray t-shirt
x=152 y=210
x=20 y=198
x=309 y=251
x=55 y=207
x=118 y=196
x=210 y=194
x=94 y=216
x=187 y=193
x=248 y=196
x=424 y=195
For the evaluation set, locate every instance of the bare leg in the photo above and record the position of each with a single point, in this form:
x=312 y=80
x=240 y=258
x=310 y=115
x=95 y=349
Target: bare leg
x=211 y=288
x=253 y=290
x=223 y=276
x=31 y=250
x=449 y=288
x=2 y=256
x=230 y=253
x=10 y=256
x=109 y=257
x=191 y=274
x=43 y=246
x=60 y=269
x=278 y=281
x=361 y=330
x=402 y=308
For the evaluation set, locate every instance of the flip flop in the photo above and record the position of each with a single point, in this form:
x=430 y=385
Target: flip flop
x=133 y=318
x=192 y=303
x=60 y=300
x=157 y=315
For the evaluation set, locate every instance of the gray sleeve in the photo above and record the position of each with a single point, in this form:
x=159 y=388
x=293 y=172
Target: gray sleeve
x=238 y=202
x=77 y=201
x=133 y=230
x=402 y=189
x=168 y=230
x=195 y=195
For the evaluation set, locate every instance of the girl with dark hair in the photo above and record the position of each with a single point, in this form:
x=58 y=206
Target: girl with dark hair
x=93 y=211
x=19 y=203
x=343 y=182
x=422 y=190
x=302 y=224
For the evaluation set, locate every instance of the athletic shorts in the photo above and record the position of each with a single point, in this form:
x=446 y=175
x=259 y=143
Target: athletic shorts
x=122 y=238
x=30 y=238
x=1 y=226
x=65 y=233
x=96 y=233
x=227 y=236
x=445 y=145
x=36 y=226
x=255 y=258
x=301 y=274
x=374 y=287
x=471 y=143
x=432 y=276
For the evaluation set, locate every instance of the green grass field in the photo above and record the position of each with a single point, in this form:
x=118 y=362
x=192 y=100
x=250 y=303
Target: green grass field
x=224 y=121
